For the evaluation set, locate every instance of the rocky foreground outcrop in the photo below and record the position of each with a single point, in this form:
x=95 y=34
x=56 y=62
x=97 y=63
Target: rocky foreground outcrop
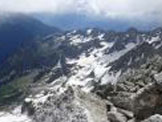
x=145 y=103
x=72 y=105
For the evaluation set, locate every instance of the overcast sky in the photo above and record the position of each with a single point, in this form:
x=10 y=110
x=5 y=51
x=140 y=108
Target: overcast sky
x=110 y=8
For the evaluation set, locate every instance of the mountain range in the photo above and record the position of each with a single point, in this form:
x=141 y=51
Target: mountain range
x=83 y=21
x=81 y=75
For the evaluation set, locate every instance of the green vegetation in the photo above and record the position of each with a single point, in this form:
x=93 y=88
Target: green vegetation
x=16 y=90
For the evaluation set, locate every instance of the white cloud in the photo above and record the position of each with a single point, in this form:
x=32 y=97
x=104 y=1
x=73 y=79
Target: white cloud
x=113 y=8
x=56 y=6
x=126 y=8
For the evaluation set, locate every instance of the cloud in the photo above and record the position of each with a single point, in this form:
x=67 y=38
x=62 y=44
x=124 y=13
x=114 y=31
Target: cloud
x=107 y=8
x=125 y=8
x=56 y=6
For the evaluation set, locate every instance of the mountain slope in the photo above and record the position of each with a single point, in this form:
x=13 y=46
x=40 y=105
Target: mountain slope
x=75 y=74
x=16 y=29
x=82 y=21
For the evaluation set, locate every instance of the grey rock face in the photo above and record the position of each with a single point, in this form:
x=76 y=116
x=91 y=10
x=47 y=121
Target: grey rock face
x=128 y=114
x=147 y=101
x=154 y=118
x=122 y=100
x=116 y=117
x=68 y=106
x=143 y=104
x=158 y=78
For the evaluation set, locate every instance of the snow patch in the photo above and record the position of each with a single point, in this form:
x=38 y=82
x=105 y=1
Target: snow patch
x=110 y=78
x=154 y=39
x=14 y=116
x=89 y=31
x=78 y=39
x=101 y=36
